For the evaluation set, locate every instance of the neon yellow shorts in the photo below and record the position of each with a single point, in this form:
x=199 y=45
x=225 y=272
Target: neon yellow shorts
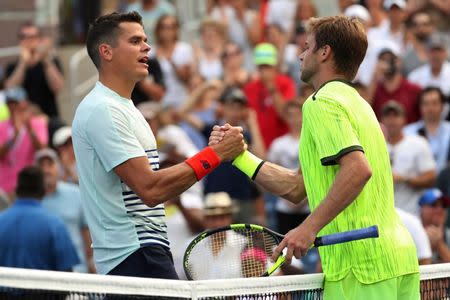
x=406 y=287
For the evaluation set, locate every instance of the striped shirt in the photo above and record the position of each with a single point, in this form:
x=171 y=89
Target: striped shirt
x=107 y=131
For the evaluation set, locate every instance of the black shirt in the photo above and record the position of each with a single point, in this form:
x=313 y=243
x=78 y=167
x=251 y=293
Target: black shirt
x=154 y=71
x=37 y=88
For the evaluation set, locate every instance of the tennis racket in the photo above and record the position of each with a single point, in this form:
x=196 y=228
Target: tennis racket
x=244 y=250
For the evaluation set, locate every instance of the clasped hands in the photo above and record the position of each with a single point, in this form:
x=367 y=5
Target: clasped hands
x=227 y=141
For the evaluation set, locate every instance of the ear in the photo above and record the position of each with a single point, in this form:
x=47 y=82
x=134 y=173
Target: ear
x=325 y=53
x=105 y=51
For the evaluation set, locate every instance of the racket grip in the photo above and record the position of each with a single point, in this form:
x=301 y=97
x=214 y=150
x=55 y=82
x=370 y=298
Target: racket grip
x=347 y=236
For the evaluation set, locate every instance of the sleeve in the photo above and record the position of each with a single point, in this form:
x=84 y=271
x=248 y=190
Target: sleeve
x=108 y=131
x=425 y=160
x=64 y=251
x=332 y=131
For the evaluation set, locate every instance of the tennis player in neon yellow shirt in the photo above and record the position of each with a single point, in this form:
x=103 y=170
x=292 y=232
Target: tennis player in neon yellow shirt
x=345 y=172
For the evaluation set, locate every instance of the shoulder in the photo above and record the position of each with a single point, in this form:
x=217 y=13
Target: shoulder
x=416 y=140
x=418 y=72
x=68 y=187
x=413 y=127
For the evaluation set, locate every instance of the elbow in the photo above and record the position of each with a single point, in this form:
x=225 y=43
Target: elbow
x=366 y=174
x=152 y=197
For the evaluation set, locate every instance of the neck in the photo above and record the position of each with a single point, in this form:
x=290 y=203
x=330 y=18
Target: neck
x=432 y=125
x=295 y=132
x=120 y=85
x=395 y=138
x=325 y=76
x=396 y=27
x=391 y=84
x=436 y=69
x=50 y=189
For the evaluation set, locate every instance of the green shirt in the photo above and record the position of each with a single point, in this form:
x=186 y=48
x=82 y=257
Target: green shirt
x=336 y=121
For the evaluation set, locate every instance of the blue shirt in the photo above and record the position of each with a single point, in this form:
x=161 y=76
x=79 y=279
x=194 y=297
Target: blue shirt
x=65 y=202
x=439 y=142
x=107 y=131
x=31 y=237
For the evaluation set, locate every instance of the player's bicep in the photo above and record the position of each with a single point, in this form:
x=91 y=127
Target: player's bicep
x=331 y=130
x=111 y=137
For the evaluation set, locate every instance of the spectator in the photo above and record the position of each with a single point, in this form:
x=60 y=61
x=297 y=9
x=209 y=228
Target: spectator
x=433 y=212
x=151 y=11
x=234 y=73
x=437 y=71
x=243 y=25
x=344 y=4
x=304 y=11
x=287 y=52
x=151 y=88
x=284 y=152
x=431 y=126
x=439 y=11
x=62 y=141
x=64 y=200
x=32 y=237
x=175 y=58
x=413 y=166
x=419 y=235
x=268 y=94
x=394 y=29
x=416 y=53
x=388 y=83
x=202 y=105
x=208 y=52
x=226 y=178
x=377 y=13
x=20 y=137
x=282 y=12
x=38 y=70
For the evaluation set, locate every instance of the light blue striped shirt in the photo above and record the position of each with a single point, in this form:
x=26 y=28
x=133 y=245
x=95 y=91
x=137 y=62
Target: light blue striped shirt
x=107 y=131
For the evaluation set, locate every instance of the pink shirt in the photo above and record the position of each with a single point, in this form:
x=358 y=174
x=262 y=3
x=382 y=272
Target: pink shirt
x=22 y=152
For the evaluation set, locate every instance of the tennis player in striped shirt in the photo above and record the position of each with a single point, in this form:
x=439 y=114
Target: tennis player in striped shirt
x=117 y=158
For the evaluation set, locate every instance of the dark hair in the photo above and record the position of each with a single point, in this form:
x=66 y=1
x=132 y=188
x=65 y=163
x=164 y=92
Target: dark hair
x=30 y=183
x=105 y=30
x=158 y=26
x=431 y=89
x=346 y=37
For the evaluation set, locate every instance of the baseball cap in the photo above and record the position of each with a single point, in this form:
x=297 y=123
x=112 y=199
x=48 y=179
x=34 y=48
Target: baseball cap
x=430 y=196
x=388 y=47
x=357 y=11
x=15 y=94
x=219 y=204
x=438 y=41
x=392 y=107
x=61 y=136
x=265 y=54
x=233 y=95
x=389 y=3
x=45 y=153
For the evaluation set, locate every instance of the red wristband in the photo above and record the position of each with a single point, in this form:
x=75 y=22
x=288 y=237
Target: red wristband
x=204 y=162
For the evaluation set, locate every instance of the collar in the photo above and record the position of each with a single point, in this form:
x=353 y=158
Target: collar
x=27 y=202
x=106 y=90
x=332 y=80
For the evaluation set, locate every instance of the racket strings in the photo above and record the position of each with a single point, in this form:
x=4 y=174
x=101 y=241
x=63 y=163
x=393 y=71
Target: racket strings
x=231 y=254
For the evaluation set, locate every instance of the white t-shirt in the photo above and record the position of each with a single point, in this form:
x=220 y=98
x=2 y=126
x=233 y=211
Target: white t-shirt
x=417 y=231
x=284 y=152
x=176 y=92
x=423 y=77
x=410 y=157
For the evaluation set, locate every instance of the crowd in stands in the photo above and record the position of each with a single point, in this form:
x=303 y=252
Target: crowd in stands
x=242 y=69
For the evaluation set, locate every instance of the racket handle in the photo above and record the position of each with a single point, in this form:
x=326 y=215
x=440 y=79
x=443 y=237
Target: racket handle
x=347 y=236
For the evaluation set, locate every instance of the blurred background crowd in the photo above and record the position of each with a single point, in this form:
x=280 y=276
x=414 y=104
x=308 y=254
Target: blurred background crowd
x=215 y=62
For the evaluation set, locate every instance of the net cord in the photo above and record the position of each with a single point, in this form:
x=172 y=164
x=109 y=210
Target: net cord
x=101 y=284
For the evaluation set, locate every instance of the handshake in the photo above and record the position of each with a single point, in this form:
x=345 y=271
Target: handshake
x=227 y=141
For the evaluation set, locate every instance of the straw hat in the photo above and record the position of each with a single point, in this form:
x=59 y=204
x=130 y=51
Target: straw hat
x=219 y=204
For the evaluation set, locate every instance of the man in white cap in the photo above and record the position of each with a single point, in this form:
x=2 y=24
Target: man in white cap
x=62 y=141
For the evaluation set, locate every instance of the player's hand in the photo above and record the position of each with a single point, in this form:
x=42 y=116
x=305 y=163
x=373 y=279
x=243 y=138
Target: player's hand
x=231 y=145
x=297 y=241
x=218 y=134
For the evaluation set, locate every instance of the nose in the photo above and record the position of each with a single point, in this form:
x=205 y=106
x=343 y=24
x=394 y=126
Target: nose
x=147 y=47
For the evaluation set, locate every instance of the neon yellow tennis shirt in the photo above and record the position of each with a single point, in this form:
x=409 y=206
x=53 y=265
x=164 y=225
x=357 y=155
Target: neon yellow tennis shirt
x=336 y=121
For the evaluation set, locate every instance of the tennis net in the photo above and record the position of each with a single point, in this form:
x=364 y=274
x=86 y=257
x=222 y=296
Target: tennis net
x=33 y=284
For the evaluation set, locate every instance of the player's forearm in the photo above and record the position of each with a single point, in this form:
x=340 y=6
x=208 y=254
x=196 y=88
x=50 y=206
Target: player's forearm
x=349 y=182
x=281 y=182
x=425 y=180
